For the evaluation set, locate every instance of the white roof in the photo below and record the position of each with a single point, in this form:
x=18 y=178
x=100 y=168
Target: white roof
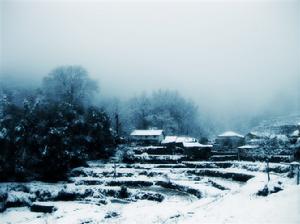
x=169 y=139
x=230 y=134
x=185 y=139
x=195 y=144
x=179 y=139
x=146 y=132
x=248 y=147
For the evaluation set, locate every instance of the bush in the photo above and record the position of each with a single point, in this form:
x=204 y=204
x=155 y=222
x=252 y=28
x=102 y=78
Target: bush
x=123 y=193
x=3 y=197
x=149 y=196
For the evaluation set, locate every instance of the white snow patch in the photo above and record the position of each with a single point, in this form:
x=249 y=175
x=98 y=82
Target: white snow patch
x=295 y=133
x=248 y=147
x=146 y=132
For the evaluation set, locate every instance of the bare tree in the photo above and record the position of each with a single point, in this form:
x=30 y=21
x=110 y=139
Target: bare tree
x=166 y=110
x=70 y=84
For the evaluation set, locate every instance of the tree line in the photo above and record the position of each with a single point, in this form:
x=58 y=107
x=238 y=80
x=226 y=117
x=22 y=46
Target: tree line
x=46 y=131
x=161 y=109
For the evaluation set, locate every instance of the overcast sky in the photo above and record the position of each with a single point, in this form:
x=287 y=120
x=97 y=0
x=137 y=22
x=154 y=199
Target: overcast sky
x=230 y=57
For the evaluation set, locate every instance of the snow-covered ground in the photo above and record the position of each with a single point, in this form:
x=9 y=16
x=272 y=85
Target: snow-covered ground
x=190 y=198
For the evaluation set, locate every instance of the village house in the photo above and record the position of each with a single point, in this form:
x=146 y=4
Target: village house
x=229 y=141
x=248 y=151
x=147 y=136
x=189 y=146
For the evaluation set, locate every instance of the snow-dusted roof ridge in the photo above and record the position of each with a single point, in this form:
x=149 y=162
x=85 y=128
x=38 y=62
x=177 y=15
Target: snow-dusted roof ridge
x=178 y=139
x=195 y=144
x=146 y=132
x=248 y=147
x=230 y=134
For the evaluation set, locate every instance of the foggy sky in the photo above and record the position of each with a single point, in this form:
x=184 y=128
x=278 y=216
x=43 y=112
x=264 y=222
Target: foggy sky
x=231 y=57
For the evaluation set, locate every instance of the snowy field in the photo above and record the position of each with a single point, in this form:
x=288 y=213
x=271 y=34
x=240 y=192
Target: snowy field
x=191 y=192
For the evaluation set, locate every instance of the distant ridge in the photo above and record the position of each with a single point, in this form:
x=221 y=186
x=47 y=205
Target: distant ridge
x=272 y=125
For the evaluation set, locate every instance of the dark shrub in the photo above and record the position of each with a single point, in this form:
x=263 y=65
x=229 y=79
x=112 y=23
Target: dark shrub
x=123 y=193
x=42 y=208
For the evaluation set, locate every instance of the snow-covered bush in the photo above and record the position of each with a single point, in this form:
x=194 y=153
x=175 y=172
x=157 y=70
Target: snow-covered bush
x=19 y=198
x=128 y=156
x=111 y=214
x=149 y=196
x=270 y=188
x=145 y=156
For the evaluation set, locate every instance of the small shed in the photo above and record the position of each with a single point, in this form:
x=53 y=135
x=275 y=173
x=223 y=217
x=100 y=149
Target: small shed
x=147 y=136
x=252 y=136
x=248 y=149
x=195 y=150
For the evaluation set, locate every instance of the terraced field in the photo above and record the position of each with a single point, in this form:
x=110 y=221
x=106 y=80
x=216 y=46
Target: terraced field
x=147 y=193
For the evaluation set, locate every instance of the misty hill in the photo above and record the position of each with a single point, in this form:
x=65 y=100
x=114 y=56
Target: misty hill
x=278 y=125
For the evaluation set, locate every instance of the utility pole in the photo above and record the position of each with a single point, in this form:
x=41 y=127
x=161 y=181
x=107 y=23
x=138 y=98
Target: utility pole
x=115 y=169
x=117 y=123
x=298 y=175
x=295 y=166
x=268 y=170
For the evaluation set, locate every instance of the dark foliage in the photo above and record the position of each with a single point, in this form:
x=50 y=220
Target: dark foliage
x=44 y=138
x=242 y=177
x=149 y=196
x=111 y=215
x=42 y=208
x=123 y=193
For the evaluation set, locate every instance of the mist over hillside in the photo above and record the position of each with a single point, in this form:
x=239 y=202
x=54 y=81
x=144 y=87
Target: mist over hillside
x=238 y=61
x=149 y=112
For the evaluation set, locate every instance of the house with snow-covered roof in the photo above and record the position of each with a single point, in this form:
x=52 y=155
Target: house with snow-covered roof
x=188 y=146
x=151 y=136
x=196 y=150
x=229 y=141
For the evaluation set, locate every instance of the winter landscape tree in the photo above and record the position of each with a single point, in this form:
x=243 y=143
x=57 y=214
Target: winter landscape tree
x=69 y=84
x=166 y=110
x=54 y=129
